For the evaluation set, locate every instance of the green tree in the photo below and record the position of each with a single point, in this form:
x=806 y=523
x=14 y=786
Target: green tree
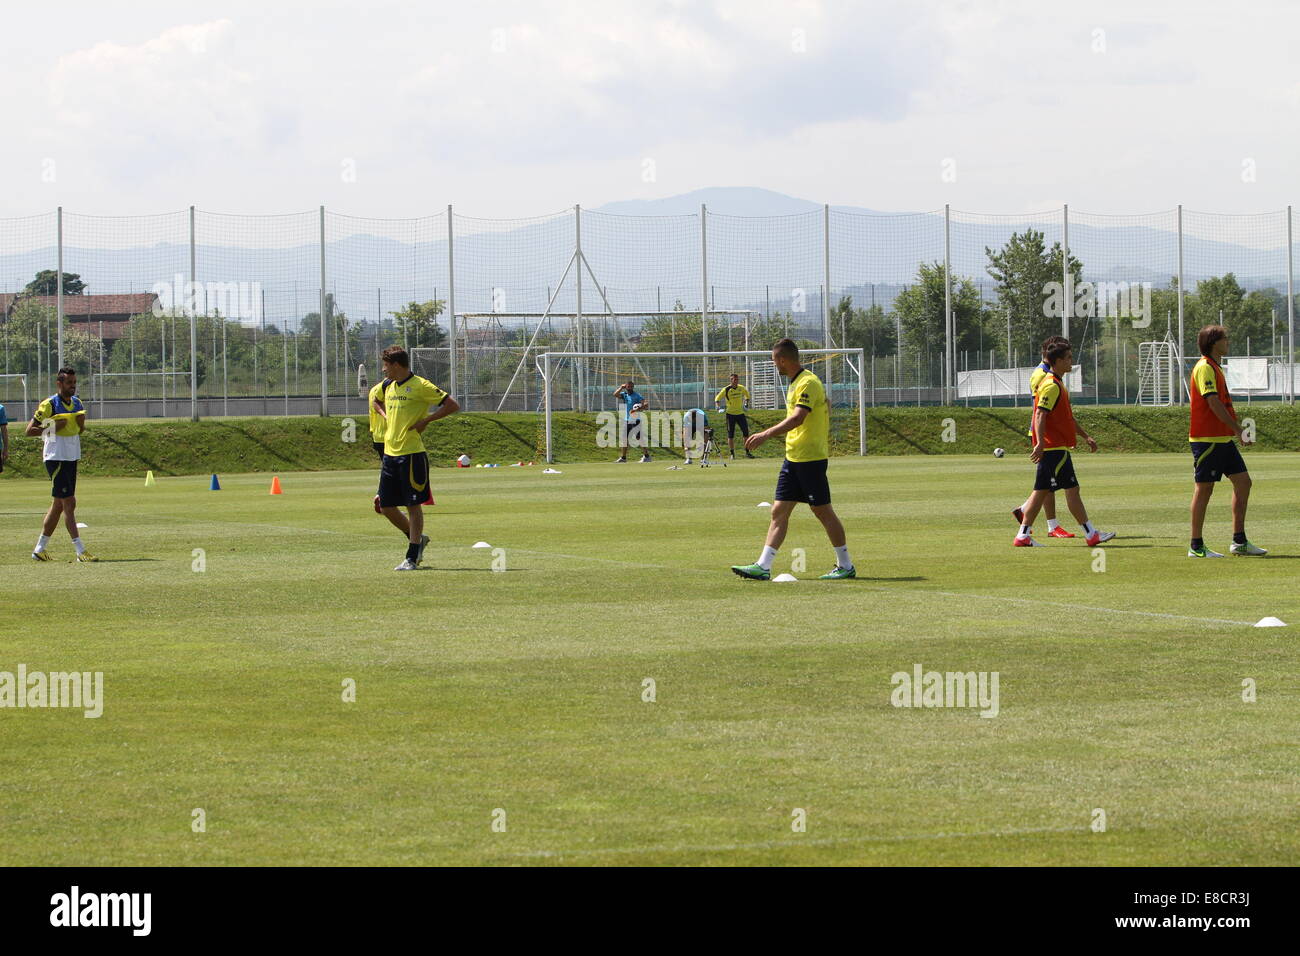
x=868 y=328
x=1029 y=277
x=920 y=309
x=47 y=283
x=1245 y=314
x=420 y=320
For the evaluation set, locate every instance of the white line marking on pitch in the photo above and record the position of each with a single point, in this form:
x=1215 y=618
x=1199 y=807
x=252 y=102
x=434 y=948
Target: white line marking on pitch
x=795 y=843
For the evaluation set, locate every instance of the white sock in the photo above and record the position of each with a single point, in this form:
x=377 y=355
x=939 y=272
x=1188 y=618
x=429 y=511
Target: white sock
x=81 y=548
x=1025 y=531
x=41 y=542
x=1052 y=524
x=1087 y=526
x=842 y=557
x=766 y=558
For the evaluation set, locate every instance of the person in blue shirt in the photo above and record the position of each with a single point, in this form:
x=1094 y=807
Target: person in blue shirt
x=4 y=438
x=632 y=432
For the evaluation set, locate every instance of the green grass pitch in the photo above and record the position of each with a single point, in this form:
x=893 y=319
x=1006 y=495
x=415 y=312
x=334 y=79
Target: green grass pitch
x=521 y=690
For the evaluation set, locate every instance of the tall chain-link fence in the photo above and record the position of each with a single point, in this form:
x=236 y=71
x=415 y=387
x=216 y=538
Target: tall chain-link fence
x=196 y=313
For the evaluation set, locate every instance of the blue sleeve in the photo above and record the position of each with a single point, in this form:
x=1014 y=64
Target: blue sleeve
x=4 y=419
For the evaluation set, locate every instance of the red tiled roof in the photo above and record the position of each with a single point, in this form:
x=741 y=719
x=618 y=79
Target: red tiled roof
x=134 y=303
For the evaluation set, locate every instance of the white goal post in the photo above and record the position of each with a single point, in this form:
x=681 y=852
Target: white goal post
x=847 y=390
x=22 y=380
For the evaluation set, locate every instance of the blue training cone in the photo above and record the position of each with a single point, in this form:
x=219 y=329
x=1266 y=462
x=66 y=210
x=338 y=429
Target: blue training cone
x=216 y=485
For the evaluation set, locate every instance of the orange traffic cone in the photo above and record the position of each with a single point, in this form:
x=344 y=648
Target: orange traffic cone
x=275 y=486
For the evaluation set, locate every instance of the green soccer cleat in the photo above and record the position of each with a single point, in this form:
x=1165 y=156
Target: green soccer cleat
x=1247 y=549
x=752 y=572
x=839 y=574
x=1202 y=553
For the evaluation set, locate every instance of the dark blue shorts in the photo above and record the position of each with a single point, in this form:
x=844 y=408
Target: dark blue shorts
x=737 y=421
x=1211 y=460
x=63 y=478
x=1056 y=471
x=379 y=449
x=404 y=481
x=803 y=481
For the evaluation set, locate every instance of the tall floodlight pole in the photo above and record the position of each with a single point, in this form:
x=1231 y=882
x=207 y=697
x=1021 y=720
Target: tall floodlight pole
x=451 y=308
x=1290 y=310
x=58 y=292
x=324 y=375
x=949 y=326
x=194 y=330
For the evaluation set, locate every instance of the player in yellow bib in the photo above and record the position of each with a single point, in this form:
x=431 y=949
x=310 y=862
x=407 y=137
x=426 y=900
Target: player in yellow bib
x=1044 y=370
x=410 y=404
x=807 y=429
x=733 y=399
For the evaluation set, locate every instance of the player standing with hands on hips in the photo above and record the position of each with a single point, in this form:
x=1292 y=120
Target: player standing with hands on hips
x=806 y=428
x=60 y=420
x=404 y=474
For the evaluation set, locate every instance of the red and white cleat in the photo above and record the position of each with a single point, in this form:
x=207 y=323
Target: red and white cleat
x=1098 y=537
x=1059 y=532
x=1027 y=543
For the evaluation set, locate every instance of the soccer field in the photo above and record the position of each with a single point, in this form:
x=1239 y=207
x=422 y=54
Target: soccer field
x=521 y=691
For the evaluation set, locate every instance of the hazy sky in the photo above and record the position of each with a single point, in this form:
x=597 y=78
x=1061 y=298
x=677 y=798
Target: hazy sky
x=522 y=108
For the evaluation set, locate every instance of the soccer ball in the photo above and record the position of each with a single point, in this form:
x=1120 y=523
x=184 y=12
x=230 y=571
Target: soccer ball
x=999 y=452
x=639 y=406
x=463 y=461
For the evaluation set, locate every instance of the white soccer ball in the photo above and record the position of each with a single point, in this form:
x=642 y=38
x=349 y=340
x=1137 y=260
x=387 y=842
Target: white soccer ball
x=463 y=461
x=999 y=452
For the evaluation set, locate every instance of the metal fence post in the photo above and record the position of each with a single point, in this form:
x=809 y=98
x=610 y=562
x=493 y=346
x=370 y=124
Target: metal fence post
x=704 y=291
x=1067 y=291
x=451 y=308
x=1179 y=350
x=1290 y=311
x=324 y=373
x=949 y=322
x=194 y=332
x=58 y=292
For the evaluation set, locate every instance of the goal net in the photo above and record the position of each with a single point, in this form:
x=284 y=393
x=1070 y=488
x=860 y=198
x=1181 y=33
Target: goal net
x=673 y=382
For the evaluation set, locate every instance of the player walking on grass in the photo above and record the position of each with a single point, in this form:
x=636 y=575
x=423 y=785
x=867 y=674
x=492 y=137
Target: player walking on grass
x=733 y=399
x=60 y=420
x=1211 y=430
x=803 y=473
x=1055 y=431
x=1054 y=529
x=404 y=474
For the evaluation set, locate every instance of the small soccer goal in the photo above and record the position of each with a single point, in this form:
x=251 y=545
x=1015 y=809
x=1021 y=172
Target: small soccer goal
x=1158 y=378
x=673 y=382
